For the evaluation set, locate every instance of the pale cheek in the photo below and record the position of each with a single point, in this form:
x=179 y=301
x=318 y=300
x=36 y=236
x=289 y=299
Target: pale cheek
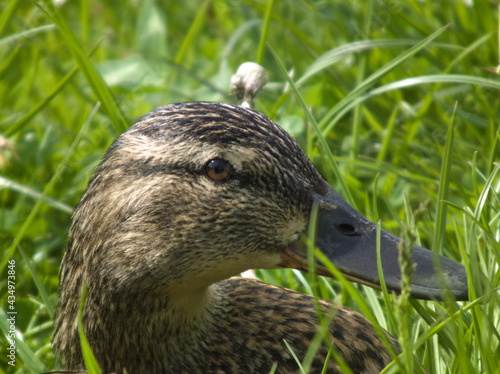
x=257 y=260
x=292 y=229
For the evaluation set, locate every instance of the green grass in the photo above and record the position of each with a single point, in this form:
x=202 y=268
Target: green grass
x=396 y=110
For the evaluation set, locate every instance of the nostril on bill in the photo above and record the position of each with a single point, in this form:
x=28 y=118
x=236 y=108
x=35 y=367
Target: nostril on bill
x=347 y=229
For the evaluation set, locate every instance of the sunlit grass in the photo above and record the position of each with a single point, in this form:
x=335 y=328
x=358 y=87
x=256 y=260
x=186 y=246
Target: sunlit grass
x=411 y=137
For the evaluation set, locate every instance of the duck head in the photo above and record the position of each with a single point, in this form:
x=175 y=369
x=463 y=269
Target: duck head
x=194 y=193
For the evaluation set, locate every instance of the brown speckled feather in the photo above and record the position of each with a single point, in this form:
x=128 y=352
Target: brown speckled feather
x=257 y=318
x=157 y=241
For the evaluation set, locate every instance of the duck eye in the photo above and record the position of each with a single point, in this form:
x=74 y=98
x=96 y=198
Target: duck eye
x=218 y=170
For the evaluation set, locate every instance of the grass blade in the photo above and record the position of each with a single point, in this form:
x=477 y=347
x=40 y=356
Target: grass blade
x=264 y=32
x=321 y=139
x=25 y=353
x=94 y=79
x=372 y=79
x=88 y=356
x=47 y=190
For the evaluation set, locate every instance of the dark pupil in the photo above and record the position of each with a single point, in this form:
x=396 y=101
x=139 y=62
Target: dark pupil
x=218 y=166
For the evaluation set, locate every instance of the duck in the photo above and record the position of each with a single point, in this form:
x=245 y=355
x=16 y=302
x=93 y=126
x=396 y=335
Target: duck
x=186 y=199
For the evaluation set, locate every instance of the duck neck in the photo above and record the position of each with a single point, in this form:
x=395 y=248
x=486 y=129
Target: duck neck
x=175 y=314
x=166 y=327
x=186 y=312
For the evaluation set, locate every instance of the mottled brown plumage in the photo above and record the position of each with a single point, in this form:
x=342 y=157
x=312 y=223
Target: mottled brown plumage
x=157 y=241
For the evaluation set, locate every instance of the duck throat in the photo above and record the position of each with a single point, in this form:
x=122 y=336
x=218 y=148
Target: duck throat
x=135 y=331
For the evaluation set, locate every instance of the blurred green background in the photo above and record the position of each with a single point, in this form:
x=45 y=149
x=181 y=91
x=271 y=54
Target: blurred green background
x=75 y=74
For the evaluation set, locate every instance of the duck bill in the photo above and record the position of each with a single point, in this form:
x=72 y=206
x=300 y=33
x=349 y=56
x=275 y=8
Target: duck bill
x=349 y=241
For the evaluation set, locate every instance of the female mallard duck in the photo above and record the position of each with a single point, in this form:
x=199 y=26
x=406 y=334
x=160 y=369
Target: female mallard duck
x=191 y=195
